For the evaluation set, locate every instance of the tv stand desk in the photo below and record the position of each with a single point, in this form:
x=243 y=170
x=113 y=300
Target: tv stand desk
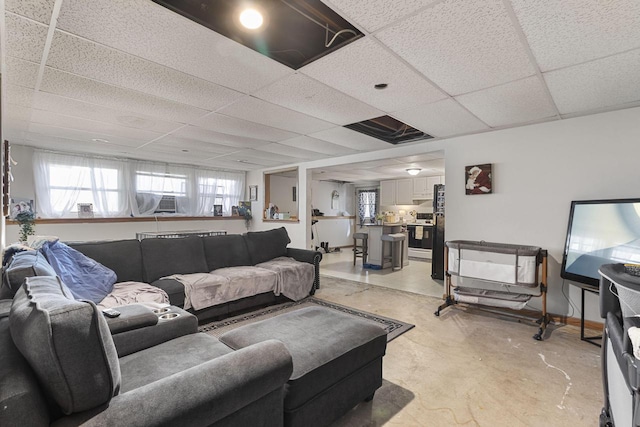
x=593 y=290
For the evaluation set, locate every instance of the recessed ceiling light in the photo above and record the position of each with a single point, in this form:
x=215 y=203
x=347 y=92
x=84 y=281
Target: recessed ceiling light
x=381 y=86
x=413 y=171
x=104 y=141
x=251 y=19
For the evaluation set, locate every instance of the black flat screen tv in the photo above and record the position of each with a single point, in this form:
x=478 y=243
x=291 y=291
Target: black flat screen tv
x=600 y=232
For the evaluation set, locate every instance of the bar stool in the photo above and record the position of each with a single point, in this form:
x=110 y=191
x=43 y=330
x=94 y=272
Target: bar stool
x=360 y=250
x=396 y=240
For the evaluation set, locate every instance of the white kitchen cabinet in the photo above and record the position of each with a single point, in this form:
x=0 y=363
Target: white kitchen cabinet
x=404 y=191
x=387 y=193
x=442 y=179
x=420 y=188
x=431 y=181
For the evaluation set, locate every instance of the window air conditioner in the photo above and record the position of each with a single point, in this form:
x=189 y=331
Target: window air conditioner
x=167 y=205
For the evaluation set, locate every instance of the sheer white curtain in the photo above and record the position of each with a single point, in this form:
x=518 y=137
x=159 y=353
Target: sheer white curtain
x=63 y=180
x=153 y=180
x=217 y=188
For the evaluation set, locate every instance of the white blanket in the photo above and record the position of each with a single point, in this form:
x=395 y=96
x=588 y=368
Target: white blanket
x=124 y=293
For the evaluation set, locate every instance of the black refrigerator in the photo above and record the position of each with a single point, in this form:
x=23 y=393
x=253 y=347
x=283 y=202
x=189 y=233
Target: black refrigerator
x=437 y=252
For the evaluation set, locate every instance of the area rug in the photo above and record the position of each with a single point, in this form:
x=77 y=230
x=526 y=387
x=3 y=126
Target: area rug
x=394 y=328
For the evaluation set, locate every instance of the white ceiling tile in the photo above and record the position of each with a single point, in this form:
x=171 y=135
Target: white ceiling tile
x=324 y=147
x=426 y=157
x=441 y=119
x=258 y=154
x=16 y=113
x=20 y=72
x=343 y=70
x=602 y=83
x=253 y=157
x=25 y=39
x=286 y=150
x=351 y=139
x=38 y=10
x=205 y=135
x=82 y=136
x=233 y=126
x=179 y=143
x=512 y=103
x=88 y=59
x=48 y=141
x=301 y=93
x=152 y=32
x=375 y=14
x=83 y=89
x=102 y=128
x=72 y=107
x=461 y=45
x=568 y=32
x=259 y=111
x=18 y=95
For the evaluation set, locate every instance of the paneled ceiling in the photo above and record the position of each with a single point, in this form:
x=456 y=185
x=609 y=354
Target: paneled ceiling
x=131 y=78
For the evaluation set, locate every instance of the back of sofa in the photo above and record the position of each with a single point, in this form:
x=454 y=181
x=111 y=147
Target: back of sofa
x=228 y=250
x=124 y=257
x=266 y=245
x=164 y=257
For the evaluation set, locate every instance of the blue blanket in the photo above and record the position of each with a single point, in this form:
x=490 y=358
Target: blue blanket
x=86 y=278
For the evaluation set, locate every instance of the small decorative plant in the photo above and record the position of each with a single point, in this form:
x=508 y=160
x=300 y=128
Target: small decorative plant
x=380 y=217
x=26 y=220
x=247 y=217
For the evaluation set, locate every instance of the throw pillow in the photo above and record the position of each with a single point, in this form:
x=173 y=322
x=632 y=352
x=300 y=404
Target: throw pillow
x=86 y=278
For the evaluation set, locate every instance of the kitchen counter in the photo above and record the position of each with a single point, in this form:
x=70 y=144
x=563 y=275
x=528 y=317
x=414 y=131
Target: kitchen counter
x=378 y=248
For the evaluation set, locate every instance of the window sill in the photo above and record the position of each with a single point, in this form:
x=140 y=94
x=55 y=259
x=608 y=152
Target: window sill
x=128 y=219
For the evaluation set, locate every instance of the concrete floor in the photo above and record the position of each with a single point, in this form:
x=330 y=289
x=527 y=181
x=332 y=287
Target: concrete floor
x=466 y=367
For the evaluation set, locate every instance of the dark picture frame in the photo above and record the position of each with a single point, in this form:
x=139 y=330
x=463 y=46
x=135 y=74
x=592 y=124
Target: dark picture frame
x=217 y=210
x=234 y=211
x=295 y=193
x=253 y=193
x=478 y=179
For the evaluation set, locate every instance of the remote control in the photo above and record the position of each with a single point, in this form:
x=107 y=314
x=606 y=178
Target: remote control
x=110 y=312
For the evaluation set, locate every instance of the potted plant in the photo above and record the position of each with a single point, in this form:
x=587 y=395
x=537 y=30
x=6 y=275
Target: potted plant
x=26 y=221
x=380 y=218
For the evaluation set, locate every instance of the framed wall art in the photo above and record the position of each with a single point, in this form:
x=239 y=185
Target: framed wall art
x=478 y=179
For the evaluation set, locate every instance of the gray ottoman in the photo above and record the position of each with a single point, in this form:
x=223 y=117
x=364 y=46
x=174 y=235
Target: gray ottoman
x=337 y=361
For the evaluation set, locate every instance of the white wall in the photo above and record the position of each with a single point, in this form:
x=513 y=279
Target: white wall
x=281 y=193
x=537 y=171
x=338 y=231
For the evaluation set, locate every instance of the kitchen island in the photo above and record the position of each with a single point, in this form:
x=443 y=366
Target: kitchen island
x=378 y=248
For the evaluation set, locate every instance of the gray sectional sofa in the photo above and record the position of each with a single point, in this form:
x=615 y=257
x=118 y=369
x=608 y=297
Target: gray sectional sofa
x=245 y=271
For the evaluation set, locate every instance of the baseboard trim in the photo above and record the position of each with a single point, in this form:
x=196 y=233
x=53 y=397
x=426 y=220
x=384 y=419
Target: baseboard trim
x=560 y=319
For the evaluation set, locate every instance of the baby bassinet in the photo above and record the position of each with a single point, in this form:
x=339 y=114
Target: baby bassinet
x=496 y=275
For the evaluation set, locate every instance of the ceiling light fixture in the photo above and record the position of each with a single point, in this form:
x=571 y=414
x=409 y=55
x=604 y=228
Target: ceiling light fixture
x=413 y=171
x=251 y=19
x=381 y=86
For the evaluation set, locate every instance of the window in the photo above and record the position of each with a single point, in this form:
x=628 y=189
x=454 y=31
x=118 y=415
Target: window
x=367 y=205
x=121 y=188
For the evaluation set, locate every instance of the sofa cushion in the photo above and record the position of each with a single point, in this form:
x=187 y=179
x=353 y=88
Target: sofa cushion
x=24 y=264
x=86 y=278
x=266 y=245
x=225 y=251
x=164 y=257
x=67 y=344
x=124 y=257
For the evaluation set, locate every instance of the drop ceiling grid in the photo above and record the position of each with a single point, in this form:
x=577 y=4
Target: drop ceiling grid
x=441 y=119
x=20 y=72
x=82 y=136
x=356 y=68
x=606 y=82
x=69 y=122
x=18 y=95
x=323 y=147
x=38 y=10
x=180 y=143
x=239 y=127
x=375 y=14
x=351 y=139
x=302 y=93
x=140 y=28
x=211 y=136
x=513 y=103
x=257 y=157
x=569 y=32
x=268 y=114
x=84 y=110
x=25 y=39
x=91 y=60
x=92 y=91
x=441 y=42
x=286 y=150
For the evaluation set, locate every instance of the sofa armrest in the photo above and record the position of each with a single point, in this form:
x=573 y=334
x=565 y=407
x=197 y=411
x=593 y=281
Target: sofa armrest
x=134 y=340
x=132 y=316
x=311 y=257
x=201 y=395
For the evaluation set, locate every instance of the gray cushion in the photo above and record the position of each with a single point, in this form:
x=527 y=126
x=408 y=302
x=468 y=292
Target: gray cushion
x=174 y=290
x=66 y=342
x=132 y=316
x=124 y=257
x=266 y=245
x=164 y=257
x=225 y=251
x=325 y=345
x=24 y=264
